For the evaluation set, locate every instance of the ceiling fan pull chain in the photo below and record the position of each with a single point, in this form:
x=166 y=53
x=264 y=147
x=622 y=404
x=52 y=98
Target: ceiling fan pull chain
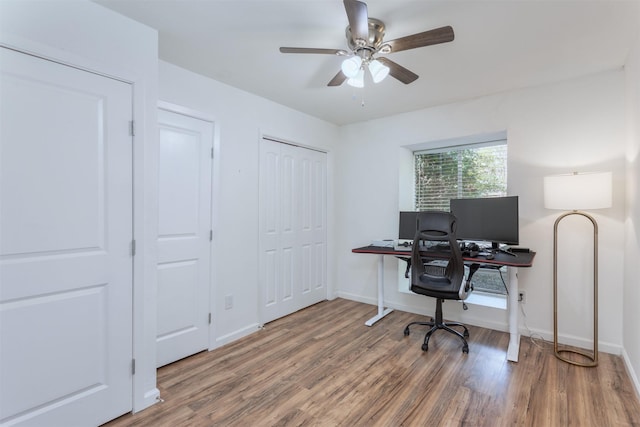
x=354 y=96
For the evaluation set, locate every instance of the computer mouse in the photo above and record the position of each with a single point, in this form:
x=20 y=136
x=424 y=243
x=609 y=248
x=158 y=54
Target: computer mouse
x=490 y=256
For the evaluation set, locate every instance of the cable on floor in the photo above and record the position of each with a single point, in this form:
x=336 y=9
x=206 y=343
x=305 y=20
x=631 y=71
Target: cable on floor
x=534 y=337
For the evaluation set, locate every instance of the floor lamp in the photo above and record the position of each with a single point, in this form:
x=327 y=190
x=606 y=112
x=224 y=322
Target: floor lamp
x=573 y=192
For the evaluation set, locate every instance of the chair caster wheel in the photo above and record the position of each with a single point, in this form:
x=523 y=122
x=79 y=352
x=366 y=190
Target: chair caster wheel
x=425 y=347
x=406 y=331
x=466 y=334
x=465 y=349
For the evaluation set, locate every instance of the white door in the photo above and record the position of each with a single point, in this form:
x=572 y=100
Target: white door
x=279 y=264
x=292 y=259
x=65 y=244
x=312 y=232
x=184 y=244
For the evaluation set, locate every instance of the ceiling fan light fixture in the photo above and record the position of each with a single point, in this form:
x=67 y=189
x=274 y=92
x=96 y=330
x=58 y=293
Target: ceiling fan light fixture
x=351 y=66
x=357 y=80
x=365 y=39
x=378 y=71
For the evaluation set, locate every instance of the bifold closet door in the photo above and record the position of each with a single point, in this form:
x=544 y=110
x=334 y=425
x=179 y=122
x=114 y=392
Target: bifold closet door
x=292 y=258
x=312 y=230
x=66 y=261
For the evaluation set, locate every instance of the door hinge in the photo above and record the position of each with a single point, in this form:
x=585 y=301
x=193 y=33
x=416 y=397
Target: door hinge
x=212 y=152
x=211 y=235
x=209 y=318
x=133 y=248
x=133 y=366
x=132 y=128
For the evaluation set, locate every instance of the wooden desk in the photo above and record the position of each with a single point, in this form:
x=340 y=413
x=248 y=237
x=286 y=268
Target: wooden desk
x=522 y=259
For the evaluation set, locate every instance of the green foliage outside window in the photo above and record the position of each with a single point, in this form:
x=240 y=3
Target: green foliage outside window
x=466 y=173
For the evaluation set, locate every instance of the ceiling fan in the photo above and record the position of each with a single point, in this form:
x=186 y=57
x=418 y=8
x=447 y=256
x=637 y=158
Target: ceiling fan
x=365 y=40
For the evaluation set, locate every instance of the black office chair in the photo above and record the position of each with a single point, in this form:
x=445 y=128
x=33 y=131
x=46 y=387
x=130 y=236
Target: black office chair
x=438 y=270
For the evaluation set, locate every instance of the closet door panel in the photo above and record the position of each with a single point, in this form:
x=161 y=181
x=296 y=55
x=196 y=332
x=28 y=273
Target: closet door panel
x=292 y=229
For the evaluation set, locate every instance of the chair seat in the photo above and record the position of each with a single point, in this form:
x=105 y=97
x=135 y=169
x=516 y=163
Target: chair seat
x=442 y=294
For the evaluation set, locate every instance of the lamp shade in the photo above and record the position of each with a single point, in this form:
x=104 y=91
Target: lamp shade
x=378 y=71
x=578 y=191
x=357 y=80
x=351 y=66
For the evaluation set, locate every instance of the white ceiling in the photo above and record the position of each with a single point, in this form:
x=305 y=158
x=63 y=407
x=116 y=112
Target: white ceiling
x=498 y=46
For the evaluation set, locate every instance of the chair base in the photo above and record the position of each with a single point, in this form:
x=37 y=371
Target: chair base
x=436 y=324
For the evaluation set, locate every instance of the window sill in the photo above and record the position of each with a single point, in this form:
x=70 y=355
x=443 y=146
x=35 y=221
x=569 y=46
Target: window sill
x=487 y=300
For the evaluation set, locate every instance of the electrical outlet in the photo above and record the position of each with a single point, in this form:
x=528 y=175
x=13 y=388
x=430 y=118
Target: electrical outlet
x=228 y=302
x=522 y=297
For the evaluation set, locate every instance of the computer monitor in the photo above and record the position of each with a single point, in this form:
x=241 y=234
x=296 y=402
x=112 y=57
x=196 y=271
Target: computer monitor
x=407 y=225
x=491 y=219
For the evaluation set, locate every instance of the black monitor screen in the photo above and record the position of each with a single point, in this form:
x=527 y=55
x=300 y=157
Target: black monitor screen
x=407 y=226
x=492 y=219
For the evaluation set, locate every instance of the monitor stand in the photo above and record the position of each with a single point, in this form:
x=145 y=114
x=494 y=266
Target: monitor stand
x=495 y=247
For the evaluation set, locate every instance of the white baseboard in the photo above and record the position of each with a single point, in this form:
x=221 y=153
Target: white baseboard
x=236 y=335
x=583 y=343
x=632 y=373
x=571 y=341
x=151 y=397
x=357 y=298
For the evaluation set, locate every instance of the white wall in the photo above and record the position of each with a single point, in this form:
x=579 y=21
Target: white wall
x=240 y=121
x=631 y=305
x=573 y=125
x=83 y=34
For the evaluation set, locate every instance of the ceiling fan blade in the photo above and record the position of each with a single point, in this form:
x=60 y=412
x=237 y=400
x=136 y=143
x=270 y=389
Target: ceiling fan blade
x=338 y=79
x=339 y=52
x=426 y=38
x=398 y=71
x=358 y=19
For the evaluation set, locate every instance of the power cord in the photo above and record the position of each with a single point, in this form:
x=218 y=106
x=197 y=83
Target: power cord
x=533 y=337
x=506 y=289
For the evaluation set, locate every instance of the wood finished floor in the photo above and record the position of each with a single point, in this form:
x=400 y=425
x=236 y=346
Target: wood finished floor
x=323 y=367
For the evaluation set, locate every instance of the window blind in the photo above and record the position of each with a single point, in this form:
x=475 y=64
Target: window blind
x=468 y=171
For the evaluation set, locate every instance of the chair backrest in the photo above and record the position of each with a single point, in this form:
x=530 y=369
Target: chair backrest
x=437 y=266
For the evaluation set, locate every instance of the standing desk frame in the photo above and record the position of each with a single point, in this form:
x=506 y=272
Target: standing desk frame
x=521 y=259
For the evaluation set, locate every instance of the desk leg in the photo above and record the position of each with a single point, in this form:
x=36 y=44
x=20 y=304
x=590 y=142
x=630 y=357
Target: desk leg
x=381 y=310
x=514 y=329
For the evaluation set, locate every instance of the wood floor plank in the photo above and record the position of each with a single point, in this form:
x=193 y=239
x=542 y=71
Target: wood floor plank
x=323 y=367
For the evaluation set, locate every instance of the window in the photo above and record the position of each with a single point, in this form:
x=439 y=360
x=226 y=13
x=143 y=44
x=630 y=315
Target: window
x=466 y=171
x=478 y=170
